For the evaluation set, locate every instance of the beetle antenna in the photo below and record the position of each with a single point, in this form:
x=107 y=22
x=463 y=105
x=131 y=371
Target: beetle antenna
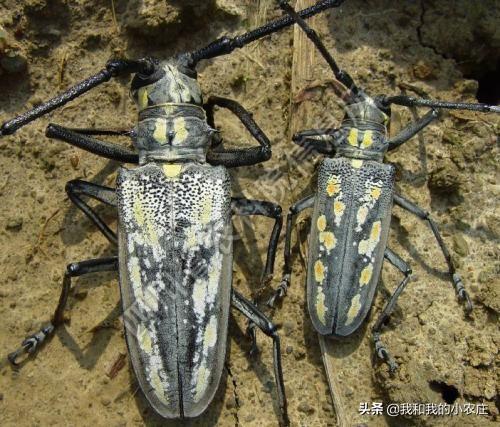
x=114 y=68
x=226 y=45
x=409 y=101
x=341 y=75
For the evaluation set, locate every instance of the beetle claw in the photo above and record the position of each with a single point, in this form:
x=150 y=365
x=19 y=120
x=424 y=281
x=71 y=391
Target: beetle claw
x=280 y=292
x=31 y=344
x=383 y=354
x=463 y=295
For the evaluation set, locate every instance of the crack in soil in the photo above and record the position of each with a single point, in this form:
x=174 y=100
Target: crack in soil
x=420 y=37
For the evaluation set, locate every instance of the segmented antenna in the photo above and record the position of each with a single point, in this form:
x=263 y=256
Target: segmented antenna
x=340 y=75
x=409 y=101
x=226 y=45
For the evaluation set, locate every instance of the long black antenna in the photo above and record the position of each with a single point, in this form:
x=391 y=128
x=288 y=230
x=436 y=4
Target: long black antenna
x=226 y=45
x=409 y=101
x=340 y=75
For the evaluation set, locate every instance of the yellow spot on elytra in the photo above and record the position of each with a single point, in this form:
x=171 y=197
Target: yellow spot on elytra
x=158 y=387
x=356 y=163
x=328 y=239
x=361 y=216
x=354 y=309
x=321 y=308
x=201 y=383
x=142 y=97
x=181 y=132
x=319 y=271
x=321 y=223
x=199 y=291
x=366 y=275
x=145 y=222
x=352 y=138
x=160 y=133
x=206 y=210
x=144 y=339
x=138 y=212
x=338 y=207
x=366 y=247
x=210 y=337
x=375 y=234
x=376 y=192
x=367 y=139
x=333 y=186
x=172 y=170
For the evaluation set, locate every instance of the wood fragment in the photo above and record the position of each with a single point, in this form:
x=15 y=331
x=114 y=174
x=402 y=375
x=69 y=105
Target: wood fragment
x=117 y=366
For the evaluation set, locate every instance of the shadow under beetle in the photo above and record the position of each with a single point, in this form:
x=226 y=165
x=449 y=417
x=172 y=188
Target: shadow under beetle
x=352 y=208
x=174 y=225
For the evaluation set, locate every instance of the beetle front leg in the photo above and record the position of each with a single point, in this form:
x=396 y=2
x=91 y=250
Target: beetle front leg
x=380 y=349
x=455 y=277
x=255 y=316
x=295 y=209
x=33 y=343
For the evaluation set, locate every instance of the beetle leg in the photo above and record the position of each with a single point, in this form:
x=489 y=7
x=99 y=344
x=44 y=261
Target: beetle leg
x=295 y=209
x=320 y=140
x=412 y=129
x=33 y=343
x=232 y=158
x=380 y=349
x=250 y=311
x=246 y=207
x=106 y=195
x=455 y=276
x=80 y=139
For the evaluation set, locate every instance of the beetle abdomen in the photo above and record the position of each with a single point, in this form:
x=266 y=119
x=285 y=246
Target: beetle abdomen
x=175 y=280
x=349 y=233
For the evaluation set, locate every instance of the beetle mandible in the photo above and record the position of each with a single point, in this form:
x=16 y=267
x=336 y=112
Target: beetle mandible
x=352 y=207
x=174 y=225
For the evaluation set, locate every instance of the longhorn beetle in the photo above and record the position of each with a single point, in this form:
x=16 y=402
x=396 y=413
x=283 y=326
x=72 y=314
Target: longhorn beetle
x=352 y=207
x=174 y=225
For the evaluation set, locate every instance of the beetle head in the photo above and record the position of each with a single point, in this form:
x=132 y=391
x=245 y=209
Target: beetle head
x=172 y=82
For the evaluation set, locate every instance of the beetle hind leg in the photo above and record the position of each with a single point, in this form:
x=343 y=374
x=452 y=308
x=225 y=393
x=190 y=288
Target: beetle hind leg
x=411 y=207
x=295 y=209
x=380 y=348
x=257 y=318
x=34 y=342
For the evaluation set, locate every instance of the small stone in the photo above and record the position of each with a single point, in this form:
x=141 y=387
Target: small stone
x=249 y=418
x=14 y=63
x=288 y=328
x=231 y=402
x=423 y=71
x=80 y=296
x=105 y=401
x=14 y=224
x=305 y=408
x=460 y=245
x=289 y=349
x=299 y=354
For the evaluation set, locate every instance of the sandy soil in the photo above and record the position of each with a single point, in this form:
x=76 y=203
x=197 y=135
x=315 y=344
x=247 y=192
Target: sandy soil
x=423 y=47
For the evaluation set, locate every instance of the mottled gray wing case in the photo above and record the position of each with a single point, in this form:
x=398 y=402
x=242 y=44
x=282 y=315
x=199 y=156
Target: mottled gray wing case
x=349 y=234
x=175 y=280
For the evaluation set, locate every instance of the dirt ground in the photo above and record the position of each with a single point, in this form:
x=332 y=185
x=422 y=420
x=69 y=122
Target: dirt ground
x=423 y=47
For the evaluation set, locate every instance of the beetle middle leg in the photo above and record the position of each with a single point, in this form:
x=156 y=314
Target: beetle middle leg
x=455 y=277
x=295 y=209
x=255 y=316
x=245 y=207
x=402 y=266
x=77 y=188
x=33 y=342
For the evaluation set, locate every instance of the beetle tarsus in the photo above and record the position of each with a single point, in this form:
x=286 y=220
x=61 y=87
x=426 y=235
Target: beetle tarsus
x=383 y=354
x=251 y=332
x=31 y=344
x=280 y=292
x=463 y=295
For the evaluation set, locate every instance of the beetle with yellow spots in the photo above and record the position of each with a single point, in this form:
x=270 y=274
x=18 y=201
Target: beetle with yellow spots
x=352 y=208
x=174 y=241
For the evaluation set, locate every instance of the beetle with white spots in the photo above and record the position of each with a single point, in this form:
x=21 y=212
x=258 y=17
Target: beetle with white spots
x=352 y=207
